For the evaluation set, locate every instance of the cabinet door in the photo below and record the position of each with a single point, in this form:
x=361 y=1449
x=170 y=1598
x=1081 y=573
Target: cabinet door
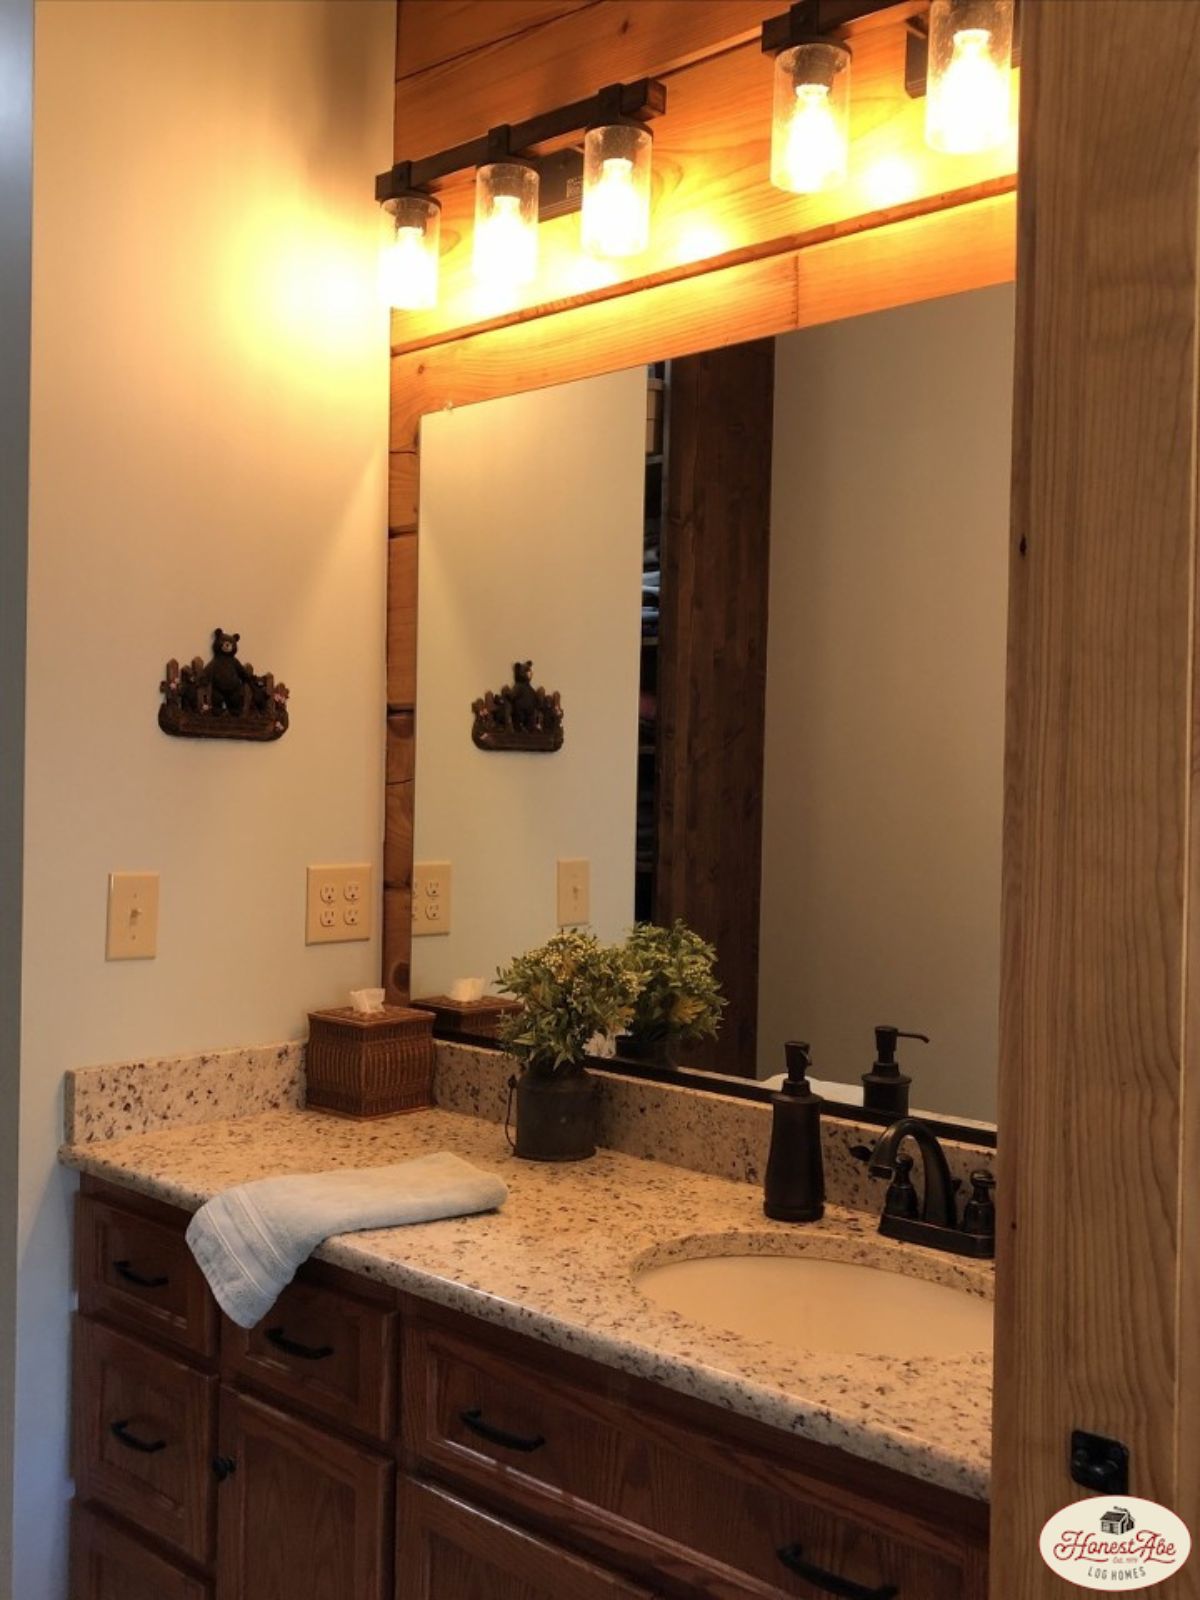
x=300 y=1513
x=107 y=1564
x=449 y=1550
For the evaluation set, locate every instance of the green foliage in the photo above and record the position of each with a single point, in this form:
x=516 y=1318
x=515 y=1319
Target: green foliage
x=571 y=988
x=678 y=996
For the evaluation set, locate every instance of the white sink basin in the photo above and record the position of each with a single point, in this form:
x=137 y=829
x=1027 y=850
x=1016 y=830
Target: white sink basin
x=835 y=1307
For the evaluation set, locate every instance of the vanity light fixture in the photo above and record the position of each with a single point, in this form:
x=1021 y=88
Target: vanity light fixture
x=810 y=124
x=616 y=182
x=968 y=52
x=517 y=184
x=506 y=223
x=409 y=256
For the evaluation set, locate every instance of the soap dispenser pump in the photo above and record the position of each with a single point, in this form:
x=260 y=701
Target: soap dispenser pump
x=885 y=1087
x=795 y=1184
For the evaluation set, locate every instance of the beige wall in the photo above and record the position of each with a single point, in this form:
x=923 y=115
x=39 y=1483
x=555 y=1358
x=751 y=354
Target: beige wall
x=531 y=547
x=209 y=423
x=885 y=693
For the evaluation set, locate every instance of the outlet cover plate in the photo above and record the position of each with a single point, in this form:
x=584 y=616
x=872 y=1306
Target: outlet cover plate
x=338 y=904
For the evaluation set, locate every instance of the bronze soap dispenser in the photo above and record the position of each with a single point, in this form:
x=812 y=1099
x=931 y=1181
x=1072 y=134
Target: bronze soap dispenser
x=795 y=1185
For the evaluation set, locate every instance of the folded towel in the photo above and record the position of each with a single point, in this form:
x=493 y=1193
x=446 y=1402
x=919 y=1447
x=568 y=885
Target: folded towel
x=250 y=1239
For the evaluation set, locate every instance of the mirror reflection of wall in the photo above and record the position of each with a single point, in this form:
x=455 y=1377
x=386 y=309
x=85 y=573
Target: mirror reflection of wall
x=822 y=747
x=883 y=773
x=531 y=549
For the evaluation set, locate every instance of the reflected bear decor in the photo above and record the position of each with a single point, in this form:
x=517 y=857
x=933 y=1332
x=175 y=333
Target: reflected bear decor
x=226 y=699
x=519 y=716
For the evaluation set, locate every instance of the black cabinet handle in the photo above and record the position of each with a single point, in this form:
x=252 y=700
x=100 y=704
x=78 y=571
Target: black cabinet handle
x=124 y=1270
x=506 y=1441
x=292 y=1347
x=792 y=1556
x=224 y=1467
x=147 y=1447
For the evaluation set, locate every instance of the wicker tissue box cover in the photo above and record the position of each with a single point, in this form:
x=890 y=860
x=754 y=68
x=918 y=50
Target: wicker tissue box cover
x=370 y=1064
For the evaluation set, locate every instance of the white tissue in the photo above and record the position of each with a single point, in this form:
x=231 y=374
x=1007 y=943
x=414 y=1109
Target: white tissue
x=467 y=989
x=366 y=1001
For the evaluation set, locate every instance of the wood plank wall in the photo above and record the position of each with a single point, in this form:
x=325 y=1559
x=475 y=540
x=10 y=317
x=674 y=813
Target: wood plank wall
x=733 y=259
x=1098 y=1314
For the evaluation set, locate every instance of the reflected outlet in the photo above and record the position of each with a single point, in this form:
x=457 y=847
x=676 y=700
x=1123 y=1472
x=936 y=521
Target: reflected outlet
x=430 y=898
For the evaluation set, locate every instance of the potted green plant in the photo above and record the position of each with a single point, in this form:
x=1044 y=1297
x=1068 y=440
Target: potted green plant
x=679 y=999
x=570 y=989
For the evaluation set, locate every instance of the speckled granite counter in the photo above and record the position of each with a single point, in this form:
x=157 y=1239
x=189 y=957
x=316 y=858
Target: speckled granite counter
x=557 y=1263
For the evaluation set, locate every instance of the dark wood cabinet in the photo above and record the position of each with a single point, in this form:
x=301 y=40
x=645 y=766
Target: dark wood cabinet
x=215 y=1464
x=302 y=1514
x=451 y=1550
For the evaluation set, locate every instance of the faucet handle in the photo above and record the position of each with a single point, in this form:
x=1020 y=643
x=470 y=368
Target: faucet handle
x=979 y=1213
x=901 y=1197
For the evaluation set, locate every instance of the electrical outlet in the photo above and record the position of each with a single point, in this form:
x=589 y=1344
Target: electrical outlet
x=132 y=916
x=574 y=893
x=430 y=898
x=336 y=905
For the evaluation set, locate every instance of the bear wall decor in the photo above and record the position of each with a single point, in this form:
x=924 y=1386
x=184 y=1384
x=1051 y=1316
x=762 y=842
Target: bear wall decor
x=519 y=716
x=225 y=699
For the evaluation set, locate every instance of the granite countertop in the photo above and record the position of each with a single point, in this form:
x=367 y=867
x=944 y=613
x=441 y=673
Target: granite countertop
x=557 y=1263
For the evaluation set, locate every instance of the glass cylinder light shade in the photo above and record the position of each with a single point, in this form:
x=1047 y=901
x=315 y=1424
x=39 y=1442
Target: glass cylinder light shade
x=408 y=258
x=968 y=88
x=810 y=133
x=616 y=189
x=506 y=223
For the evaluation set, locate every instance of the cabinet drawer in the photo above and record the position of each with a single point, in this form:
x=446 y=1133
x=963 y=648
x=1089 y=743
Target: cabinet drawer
x=141 y=1274
x=449 y=1550
x=640 y=1487
x=144 y=1432
x=324 y=1350
x=107 y=1564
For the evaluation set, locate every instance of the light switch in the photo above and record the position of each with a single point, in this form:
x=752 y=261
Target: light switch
x=574 y=893
x=132 y=916
x=430 y=898
x=338 y=905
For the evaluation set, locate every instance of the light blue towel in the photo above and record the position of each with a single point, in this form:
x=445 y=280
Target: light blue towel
x=250 y=1239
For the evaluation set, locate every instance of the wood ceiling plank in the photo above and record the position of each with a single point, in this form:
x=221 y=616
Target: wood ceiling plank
x=432 y=31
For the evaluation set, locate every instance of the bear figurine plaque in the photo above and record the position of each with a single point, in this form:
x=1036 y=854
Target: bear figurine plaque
x=225 y=699
x=518 y=716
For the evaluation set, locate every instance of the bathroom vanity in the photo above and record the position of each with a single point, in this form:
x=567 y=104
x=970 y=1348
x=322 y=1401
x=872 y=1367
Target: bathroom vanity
x=489 y=1408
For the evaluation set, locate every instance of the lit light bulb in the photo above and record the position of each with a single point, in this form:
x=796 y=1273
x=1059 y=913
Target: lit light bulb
x=616 y=190
x=968 y=83
x=616 y=222
x=408 y=258
x=810 y=137
x=972 y=105
x=506 y=240
x=816 y=148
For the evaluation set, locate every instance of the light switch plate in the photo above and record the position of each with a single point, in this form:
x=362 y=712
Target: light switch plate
x=574 y=893
x=338 y=904
x=132 y=916
x=431 y=898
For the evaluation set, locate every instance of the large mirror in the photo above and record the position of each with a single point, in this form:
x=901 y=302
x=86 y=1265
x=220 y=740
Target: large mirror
x=769 y=584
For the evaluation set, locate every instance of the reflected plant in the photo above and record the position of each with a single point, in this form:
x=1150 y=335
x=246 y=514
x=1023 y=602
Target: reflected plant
x=678 y=995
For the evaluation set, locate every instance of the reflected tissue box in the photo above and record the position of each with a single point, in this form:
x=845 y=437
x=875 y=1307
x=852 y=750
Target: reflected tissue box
x=370 y=1064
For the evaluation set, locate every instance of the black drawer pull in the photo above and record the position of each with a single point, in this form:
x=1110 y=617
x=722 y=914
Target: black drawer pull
x=224 y=1467
x=792 y=1556
x=292 y=1347
x=124 y=1270
x=148 y=1447
x=506 y=1441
